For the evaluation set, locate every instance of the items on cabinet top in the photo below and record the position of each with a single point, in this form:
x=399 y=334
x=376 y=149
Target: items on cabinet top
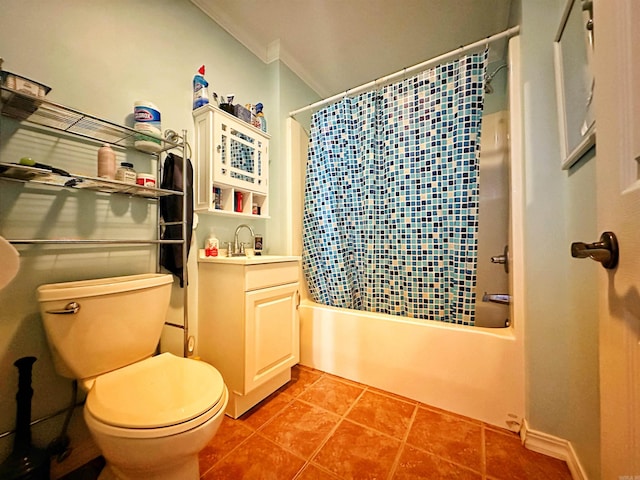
x=250 y=113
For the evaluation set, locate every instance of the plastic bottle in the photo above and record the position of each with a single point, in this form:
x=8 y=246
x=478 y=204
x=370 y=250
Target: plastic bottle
x=260 y=116
x=126 y=173
x=147 y=122
x=211 y=246
x=200 y=95
x=258 y=244
x=106 y=162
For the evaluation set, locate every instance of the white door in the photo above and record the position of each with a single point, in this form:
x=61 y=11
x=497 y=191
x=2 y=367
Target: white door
x=617 y=97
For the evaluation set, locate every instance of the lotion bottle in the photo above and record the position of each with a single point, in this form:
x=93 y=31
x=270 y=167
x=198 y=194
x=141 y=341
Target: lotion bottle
x=106 y=162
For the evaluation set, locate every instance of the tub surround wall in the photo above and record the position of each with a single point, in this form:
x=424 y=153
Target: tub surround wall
x=493 y=218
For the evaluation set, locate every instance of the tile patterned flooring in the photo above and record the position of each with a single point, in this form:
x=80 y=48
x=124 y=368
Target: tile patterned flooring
x=322 y=427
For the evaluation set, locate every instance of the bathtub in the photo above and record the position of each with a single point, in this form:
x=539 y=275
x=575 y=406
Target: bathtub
x=472 y=371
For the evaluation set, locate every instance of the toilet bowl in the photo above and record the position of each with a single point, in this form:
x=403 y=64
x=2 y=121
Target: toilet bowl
x=149 y=415
x=151 y=419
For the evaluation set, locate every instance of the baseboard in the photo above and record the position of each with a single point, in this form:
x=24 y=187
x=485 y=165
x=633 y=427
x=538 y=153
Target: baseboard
x=554 y=447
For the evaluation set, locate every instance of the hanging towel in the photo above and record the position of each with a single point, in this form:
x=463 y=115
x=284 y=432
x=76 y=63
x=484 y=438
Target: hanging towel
x=171 y=211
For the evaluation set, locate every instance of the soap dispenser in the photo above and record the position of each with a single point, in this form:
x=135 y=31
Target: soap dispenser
x=212 y=245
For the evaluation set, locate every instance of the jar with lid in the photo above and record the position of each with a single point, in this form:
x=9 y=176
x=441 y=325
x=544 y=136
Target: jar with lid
x=126 y=173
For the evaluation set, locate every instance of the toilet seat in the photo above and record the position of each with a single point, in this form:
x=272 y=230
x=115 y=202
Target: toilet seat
x=159 y=396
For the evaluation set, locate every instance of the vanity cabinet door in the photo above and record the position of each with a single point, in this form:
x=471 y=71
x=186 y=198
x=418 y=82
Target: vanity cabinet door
x=272 y=339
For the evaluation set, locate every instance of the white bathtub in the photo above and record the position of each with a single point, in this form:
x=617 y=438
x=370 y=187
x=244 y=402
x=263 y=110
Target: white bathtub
x=472 y=371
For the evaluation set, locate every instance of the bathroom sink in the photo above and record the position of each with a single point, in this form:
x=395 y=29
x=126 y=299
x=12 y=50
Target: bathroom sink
x=243 y=260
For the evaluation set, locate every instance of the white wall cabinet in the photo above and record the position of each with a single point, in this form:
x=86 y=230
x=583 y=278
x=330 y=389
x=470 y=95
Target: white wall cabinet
x=248 y=326
x=231 y=165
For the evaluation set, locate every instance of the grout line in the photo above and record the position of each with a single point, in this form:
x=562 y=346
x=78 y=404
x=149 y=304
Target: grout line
x=483 y=452
x=403 y=443
x=331 y=432
x=221 y=459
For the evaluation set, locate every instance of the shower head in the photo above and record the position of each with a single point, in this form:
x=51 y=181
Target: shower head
x=489 y=76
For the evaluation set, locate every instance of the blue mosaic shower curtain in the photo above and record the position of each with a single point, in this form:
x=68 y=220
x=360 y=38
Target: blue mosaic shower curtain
x=391 y=197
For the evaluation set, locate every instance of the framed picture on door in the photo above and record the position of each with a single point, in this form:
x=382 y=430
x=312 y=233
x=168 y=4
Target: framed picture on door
x=573 y=52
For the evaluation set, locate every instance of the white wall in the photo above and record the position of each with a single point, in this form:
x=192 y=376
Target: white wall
x=100 y=58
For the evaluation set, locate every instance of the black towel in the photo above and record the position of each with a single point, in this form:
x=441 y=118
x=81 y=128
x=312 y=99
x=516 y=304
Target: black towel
x=171 y=211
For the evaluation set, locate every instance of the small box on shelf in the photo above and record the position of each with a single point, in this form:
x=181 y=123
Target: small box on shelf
x=237 y=202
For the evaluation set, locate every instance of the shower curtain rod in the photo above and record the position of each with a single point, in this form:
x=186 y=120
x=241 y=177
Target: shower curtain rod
x=510 y=32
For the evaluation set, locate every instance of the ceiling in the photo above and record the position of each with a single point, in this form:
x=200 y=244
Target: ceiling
x=335 y=45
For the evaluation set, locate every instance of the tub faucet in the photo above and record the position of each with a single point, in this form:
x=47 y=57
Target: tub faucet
x=238 y=250
x=503 y=298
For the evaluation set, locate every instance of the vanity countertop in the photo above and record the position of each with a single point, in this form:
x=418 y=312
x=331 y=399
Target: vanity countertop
x=256 y=260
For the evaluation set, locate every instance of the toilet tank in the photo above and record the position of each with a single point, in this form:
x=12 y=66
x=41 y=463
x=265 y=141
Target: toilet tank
x=119 y=321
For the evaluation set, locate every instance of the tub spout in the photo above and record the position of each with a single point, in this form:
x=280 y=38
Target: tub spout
x=503 y=298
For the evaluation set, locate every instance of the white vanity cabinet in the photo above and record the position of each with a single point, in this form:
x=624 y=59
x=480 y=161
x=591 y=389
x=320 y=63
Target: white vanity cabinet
x=248 y=324
x=231 y=165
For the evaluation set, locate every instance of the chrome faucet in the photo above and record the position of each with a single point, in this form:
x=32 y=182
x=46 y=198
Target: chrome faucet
x=503 y=298
x=238 y=250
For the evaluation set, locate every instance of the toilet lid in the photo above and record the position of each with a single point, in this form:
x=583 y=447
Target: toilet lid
x=157 y=392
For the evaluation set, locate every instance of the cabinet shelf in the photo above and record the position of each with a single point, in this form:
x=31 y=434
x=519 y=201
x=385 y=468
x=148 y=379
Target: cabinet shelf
x=23 y=173
x=24 y=107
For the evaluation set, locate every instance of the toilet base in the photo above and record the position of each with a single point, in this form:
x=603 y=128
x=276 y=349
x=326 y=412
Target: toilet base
x=187 y=470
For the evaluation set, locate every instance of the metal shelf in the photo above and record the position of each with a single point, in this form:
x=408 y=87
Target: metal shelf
x=23 y=173
x=24 y=107
x=44 y=113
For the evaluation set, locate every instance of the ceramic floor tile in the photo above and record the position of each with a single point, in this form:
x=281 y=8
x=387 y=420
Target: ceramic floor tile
x=264 y=411
x=507 y=459
x=356 y=452
x=415 y=464
x=230 y=434
x=332 y=394
x=256 y=459
x=447 y=436
x=311 y=472
x=301 y=378
x=383 y=413
x=301 y=428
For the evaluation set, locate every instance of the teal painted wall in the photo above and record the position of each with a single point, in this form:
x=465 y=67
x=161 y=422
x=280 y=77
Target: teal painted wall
x=100 y=59
x=561 y=334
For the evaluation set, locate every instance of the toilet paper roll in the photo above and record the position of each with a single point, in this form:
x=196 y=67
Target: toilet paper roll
x=9 y=262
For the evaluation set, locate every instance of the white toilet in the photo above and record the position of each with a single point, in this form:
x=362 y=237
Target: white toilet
x=150 y=416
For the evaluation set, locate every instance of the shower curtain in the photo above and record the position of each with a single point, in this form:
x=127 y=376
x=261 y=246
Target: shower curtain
x=391 y=196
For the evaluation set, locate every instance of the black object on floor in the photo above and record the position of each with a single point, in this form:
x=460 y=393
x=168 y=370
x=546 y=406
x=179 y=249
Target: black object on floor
x=26 y=462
